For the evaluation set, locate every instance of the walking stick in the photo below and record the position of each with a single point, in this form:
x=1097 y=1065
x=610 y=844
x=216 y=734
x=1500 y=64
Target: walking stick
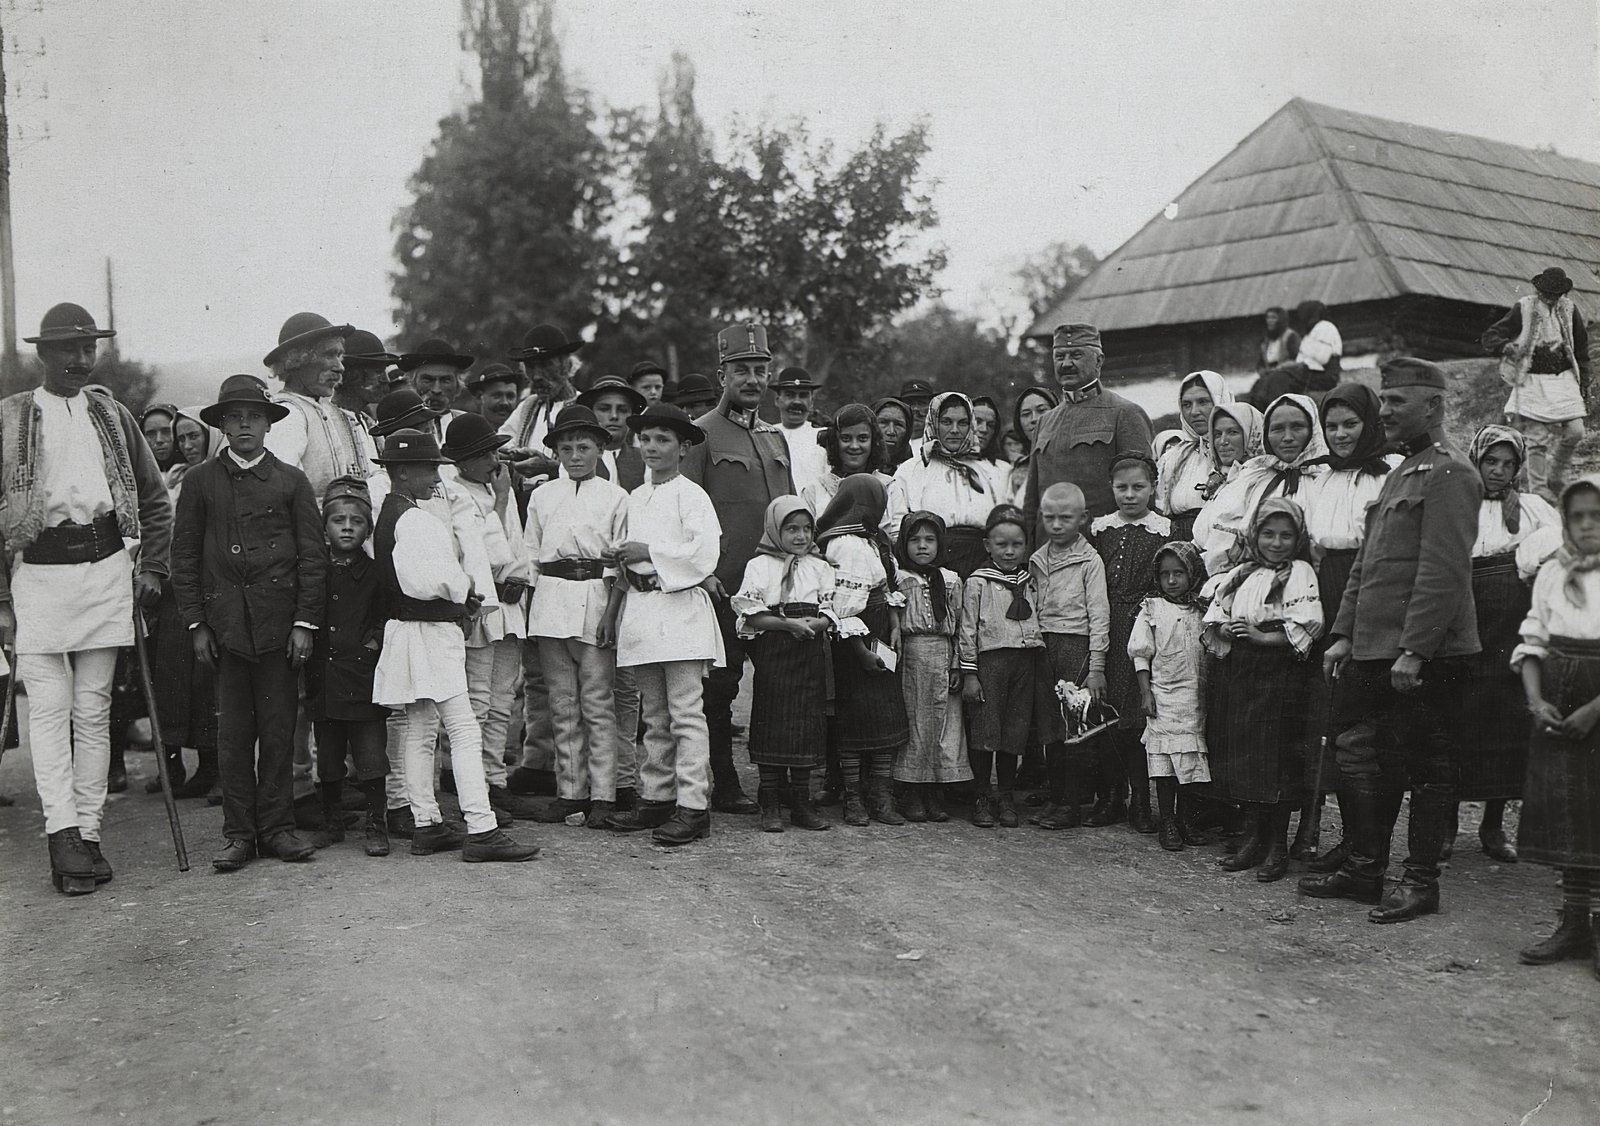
x=148 y=685
x=10 y=713
x=1314 y=838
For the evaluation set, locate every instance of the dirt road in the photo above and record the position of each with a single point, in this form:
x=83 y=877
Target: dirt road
x=925 y=974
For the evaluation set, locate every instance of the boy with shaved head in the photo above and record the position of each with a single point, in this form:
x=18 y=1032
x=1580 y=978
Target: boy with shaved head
x=1075 y=616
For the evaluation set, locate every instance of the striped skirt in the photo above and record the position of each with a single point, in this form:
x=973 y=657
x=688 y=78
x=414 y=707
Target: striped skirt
x=789 y=704
x=869 y=708
x=1261 y=702
x=1561 y=794
x=1493 y=756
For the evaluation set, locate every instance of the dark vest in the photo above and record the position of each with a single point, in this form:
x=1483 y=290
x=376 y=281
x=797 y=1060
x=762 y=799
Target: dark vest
x=399 y=605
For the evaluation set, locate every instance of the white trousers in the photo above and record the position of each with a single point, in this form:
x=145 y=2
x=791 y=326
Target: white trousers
x=580 y=681
x=472 y=790
x=69 y=733
x=677 y=744
x=627 y=694
x=492 y=672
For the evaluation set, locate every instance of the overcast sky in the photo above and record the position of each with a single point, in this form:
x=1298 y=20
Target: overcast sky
x=240 y=162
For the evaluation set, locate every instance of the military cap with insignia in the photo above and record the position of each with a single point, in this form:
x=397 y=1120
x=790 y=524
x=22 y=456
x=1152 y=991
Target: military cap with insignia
x=742 y=342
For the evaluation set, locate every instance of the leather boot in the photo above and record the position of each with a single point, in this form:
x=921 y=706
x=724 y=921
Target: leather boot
x=684 y=826
x=102 y=866
x=176 y=772
x=1185 y=817
x=1447 y=849
x=377 y=833
x=1574 y=938
x=771 y=810
x=332 y=831
x=117 y=775
x=1140 y=819
x=910 y=803
x=1254 y=850
x=802 y=814
x=883 y=807
x=71 y=863
x=401 y=822
x=1276 y=865
x=496 y=846
x=527 y=781
x=982 y=815
x=855 y=813
x=438 y=837
x=1364 y=812
x=1169 y=836
x=1308 y=832
x=1492 y=833
x=600 y=814
x=644 y=815
x=1008 y=810
x=204 y=777
x=932 y=804
x=1433 y=817
x=1110 y=806
x=727 y=796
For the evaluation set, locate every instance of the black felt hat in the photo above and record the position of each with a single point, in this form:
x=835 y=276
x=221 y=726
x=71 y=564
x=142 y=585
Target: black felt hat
x=67 y=321
x=494 y=373
x=435 y=351
x=613 y=385
x=1552 y=281
x=695 y=386
x=576 y=418
x=647 y=367
x=545 y=342
x=410 y=447
x=672 y=417
x=794 y=379
x=362 y=348
x=401 y=409
x=301 y=331
x=241 y=389
x=470 y=435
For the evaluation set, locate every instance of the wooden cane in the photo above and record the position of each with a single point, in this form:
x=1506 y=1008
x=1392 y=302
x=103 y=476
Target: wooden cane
x=148 y=685
x=10 y=713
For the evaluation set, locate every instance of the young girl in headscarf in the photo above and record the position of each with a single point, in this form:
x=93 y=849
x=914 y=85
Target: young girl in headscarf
x=785 y=609
x=869 y=710
x=929 y=672
x=1493 y=759
x=1169 y=660
x=855 y=444
x=1032 y=405
x=1295 y=453
x=947 y=478
x=1263 y=620
x=1559 y=662
x=1184 y=468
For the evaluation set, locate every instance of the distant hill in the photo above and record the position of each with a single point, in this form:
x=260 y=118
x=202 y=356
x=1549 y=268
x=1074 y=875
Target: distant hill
x=194 y=382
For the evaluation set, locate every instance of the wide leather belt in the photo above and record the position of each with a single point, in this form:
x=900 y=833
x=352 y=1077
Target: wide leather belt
x=641 y=583
x=76 y=543
x=574 y=570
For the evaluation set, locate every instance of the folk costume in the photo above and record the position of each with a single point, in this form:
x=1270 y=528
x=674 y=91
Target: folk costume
x=869 y=710
x=929 y=625
x=1183 y=470
x=316 y=436
x=1405 y=597
x=77 y=481
x=250 y=563
x=821 y=491
x=956 y=485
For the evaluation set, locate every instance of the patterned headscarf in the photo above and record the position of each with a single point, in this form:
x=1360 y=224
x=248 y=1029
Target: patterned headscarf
x=1362 y=401
x=1249 y=420
x=930 y=573
x=771 y=543
x=1571 y=556
x=1315 y=453
x=1485 y=440
x=1253 y=559
x=964 y=459
x=1188 y=557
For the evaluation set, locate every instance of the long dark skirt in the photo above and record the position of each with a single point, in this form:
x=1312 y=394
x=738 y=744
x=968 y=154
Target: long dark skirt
x=186 y=691
x=869 y=709
x=1183 y=524
x=1122 y=686
x=788 y=711
x=1561 y=795
x=1493 y=756
x=1264 y=694
x=1333 y=572
x=964 y=552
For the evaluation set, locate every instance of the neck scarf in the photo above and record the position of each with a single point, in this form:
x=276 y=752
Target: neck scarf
x=1315 y=453
x=963 y=459
x=930 y=573
x=1188 y=556
x=771 y=543
x=1253 y=559
x=857 y=510
x=1367 y=457
x=1249 y=420
x=1510 y=502
x=1017 y=583
x=1570 y=556
x=1192 y=442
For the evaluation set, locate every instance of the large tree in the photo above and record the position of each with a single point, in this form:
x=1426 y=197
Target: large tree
x=948 y=349
x=506 y=227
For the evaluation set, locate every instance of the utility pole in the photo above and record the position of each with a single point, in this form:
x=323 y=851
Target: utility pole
x=111 y=309
x=9 y=366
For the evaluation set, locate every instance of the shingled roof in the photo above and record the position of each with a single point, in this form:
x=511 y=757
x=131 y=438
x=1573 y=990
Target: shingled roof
x=1341 y=207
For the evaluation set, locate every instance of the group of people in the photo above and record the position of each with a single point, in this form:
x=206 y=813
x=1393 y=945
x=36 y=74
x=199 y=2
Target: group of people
x=353 y=580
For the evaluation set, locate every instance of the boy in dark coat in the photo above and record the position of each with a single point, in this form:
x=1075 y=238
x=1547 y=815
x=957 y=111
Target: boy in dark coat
x=250 y=570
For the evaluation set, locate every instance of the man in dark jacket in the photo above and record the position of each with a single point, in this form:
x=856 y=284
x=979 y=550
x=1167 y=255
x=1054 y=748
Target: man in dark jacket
x=249 y=567
x=1402 y=636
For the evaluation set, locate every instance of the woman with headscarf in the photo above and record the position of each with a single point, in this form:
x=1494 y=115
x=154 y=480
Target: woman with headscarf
x=156 y=422
x=937 y=751
x=1336 y=504
x=1262 y=623
x=194 y=441
x=854 y=443
x=894 y=423
x=1032 y=405
x=1493 y=760
x=1559 y=663
x=1295 y=453
x=948 y=479
x=1184 y=468
x=869 y=710
x=785 y=611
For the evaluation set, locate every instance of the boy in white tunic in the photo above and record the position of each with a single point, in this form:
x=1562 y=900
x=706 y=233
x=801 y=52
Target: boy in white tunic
x=574 y=523
x=668 y=630
x=423 y=666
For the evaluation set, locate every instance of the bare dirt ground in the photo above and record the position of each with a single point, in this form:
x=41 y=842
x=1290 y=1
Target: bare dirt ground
x=925 y=974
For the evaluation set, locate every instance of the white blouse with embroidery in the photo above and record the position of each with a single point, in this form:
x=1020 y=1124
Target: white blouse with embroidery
x=1493 y=539
x=942 y=489
x=762 y=589
x=857 y=570
x=1298 y=607
x=1336 y=505
x=1554 y=614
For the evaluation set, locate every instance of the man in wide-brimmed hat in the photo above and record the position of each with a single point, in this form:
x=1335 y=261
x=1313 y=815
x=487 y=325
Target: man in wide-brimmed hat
x=1544 y=349
x=316 y=436
x=434 y=592
x=77 y=479
x=497 y=388
x=249 y=570
x=435 y=369
x=795 y=393
x=695 y=394
x=742 y=465
x=548 y=359
x=366 y=376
